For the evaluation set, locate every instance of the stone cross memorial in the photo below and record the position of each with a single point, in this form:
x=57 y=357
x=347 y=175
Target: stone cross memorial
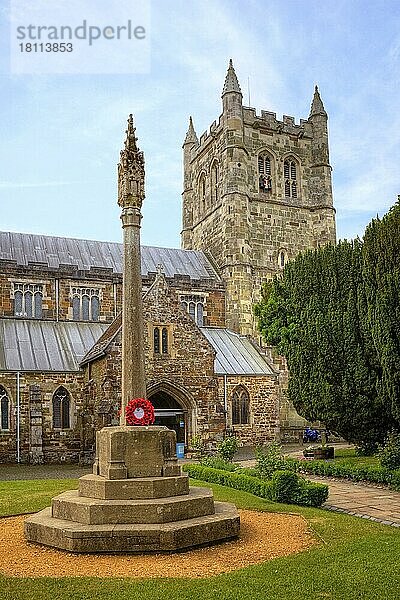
x=136 y=499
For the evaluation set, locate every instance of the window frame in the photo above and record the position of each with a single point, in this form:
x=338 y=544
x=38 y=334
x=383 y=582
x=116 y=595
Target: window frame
x=291 y=177
x=61 y=412
x=5 y=409
x=265 y=162
x=82 y=303
x=240 y=406
x=198 y=314
x=28 y=299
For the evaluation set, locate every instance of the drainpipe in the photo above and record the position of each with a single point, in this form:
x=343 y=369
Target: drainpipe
x=57 y=286
x=225 y=403
x=18 y=418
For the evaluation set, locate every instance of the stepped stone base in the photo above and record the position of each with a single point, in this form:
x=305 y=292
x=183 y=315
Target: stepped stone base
x=164 y=537
x=91 y=511
x=149 y=508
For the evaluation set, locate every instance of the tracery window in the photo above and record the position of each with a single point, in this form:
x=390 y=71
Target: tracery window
x=85 y=304
x=264 y=173
x=61 y=408
x=290 y=176
x=28 y=300
x=4 y=409
x=240 y=406
x=194 y=305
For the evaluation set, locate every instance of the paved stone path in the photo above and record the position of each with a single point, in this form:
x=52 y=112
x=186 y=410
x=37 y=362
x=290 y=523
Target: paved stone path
x=362 y=500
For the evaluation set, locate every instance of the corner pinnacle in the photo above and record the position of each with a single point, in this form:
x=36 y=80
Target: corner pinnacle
x=191 y=136
x=231 y=81
x=317 y=107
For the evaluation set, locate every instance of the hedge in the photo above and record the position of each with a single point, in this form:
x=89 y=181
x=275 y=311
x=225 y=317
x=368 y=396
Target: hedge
x=285 y=486
x=374 y=474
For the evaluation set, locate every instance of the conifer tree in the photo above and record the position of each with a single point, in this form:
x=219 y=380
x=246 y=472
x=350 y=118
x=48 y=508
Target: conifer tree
x=316 y=314
x=381 y=271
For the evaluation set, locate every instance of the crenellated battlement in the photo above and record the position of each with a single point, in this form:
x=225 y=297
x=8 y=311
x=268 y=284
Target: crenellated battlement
x=268 y=120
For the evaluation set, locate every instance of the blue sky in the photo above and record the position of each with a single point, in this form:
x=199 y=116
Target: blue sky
x=61 y=134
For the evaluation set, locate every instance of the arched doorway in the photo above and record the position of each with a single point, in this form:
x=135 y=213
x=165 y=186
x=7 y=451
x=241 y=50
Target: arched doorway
x=169 y=412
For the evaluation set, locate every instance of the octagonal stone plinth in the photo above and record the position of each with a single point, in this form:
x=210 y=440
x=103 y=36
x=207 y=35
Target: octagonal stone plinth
x=133 y=538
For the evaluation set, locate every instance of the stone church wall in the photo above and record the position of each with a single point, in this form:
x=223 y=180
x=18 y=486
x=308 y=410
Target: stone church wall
x=39 y=441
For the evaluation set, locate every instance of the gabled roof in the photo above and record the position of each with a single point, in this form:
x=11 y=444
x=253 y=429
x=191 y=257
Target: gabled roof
x=31 y=345
x=100 y=347
x=26 y=249
x=236 y=355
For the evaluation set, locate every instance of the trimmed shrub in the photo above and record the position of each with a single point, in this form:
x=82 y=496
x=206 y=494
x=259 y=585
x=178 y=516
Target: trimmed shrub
x=389 y=453
x=269 y=459
x=311 y=493
x=395 y=482
x=228 y=448
x=306 y=493
x=285 y=485
x=218 y=463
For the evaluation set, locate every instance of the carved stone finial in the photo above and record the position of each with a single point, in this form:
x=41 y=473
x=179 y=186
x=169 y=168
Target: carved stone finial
x=131 y=171
x=160 y=269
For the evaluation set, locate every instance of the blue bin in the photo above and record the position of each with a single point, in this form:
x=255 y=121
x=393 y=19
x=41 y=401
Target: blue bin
x=180 y=450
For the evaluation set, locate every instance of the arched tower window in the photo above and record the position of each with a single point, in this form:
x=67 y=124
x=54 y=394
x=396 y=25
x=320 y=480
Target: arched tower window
x=290 y=173
x=265 y=173
x=5 y=409
x=192 y=310
x=240 y=406
x=61 y=409
x=214 y=180
x=200 y=314
x=38 y=305
x=202 y=192
x=282 y=258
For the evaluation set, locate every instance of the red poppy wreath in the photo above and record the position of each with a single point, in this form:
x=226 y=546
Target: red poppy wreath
x=139 y=411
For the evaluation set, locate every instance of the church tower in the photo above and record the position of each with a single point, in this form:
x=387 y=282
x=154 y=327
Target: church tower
x=257 y=191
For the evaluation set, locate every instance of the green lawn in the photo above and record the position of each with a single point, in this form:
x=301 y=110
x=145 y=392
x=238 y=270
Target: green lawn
x=348 y=455
x=355 y=560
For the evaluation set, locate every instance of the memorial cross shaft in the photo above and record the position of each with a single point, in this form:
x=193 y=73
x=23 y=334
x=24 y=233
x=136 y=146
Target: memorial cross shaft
x=130 y=198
